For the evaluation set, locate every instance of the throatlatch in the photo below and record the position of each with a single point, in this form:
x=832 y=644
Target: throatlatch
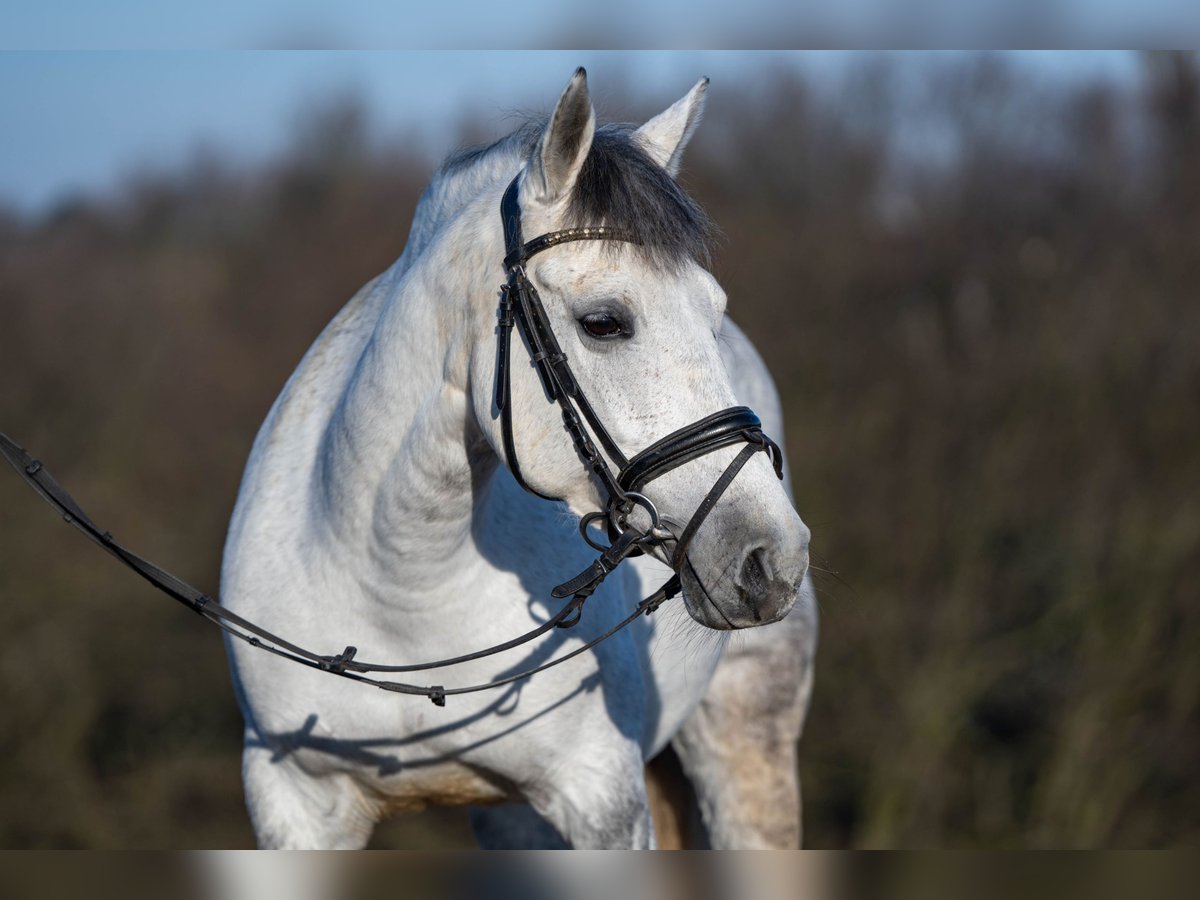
x=520 y=305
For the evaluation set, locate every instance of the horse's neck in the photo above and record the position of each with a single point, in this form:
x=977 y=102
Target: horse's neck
x=402 y=461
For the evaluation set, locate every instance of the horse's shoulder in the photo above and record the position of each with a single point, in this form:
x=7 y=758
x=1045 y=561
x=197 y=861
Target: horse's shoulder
x=288 y=441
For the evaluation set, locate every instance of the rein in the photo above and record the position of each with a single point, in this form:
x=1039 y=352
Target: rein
x=520 y=305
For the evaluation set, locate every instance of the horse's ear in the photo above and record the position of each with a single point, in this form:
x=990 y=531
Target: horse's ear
x=565 y=143
x=665 y=136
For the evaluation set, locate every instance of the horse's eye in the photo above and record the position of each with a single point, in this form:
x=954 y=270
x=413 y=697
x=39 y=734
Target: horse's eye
x=602 y=325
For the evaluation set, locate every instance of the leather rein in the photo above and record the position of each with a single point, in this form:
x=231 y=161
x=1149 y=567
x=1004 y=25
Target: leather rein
x=521 y=306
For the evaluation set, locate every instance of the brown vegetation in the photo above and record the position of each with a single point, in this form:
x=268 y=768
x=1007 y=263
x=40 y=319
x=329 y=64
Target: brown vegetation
x=978 y=295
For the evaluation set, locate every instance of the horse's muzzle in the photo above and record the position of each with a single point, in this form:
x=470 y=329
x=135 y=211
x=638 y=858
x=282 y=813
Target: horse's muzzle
x=754 y=586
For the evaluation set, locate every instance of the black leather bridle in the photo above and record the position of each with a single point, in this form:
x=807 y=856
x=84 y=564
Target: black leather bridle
x=519 y=305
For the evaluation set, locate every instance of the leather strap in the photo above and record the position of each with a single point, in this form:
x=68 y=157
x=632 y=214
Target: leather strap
x=517 y=253
x=507 y=317
x=729 y=426
x=521 y=304
x=342 y=664
x=709 y=501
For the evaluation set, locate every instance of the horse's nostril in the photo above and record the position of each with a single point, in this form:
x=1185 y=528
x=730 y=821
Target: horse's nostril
x=754 y=576
x=765 y=589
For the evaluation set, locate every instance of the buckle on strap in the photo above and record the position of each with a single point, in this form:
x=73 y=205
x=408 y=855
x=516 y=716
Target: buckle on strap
x=505 y=311
x=586 y=582
x=338 y=663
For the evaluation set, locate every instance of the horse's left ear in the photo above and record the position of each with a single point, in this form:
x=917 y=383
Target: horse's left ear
x=665 y=136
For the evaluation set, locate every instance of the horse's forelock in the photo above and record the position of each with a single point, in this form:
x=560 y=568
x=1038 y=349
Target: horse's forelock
x=619 y=186
x=622 y=187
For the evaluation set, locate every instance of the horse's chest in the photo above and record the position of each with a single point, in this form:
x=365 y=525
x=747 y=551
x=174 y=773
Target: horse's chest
x=444 y=784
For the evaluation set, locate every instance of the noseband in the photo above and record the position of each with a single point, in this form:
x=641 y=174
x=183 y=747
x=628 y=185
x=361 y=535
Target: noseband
x=519 y=305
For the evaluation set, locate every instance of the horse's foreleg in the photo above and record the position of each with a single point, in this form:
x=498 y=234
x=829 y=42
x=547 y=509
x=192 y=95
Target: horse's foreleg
x=593 y=799
x=739 y=747
x=605 y=810
x=291 y=809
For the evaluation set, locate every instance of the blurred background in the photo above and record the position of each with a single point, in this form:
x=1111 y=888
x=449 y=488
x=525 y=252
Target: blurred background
x=975 y=277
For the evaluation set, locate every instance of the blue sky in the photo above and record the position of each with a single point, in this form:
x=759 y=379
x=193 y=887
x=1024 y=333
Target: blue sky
x=631 y=24
x=81 y=121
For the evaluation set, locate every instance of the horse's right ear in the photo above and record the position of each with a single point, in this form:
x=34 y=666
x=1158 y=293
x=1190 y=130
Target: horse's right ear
x=564 y=144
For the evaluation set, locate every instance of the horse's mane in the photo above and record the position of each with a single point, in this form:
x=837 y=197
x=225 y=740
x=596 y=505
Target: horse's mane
x=619 y=186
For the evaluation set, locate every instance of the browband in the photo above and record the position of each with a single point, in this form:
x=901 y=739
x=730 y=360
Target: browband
x=517 y=253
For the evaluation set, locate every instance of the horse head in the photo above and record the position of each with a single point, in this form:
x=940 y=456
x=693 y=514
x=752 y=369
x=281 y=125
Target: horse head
x=639 y=318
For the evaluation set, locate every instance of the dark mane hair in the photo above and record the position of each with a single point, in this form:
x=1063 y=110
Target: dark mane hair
x=622 y=187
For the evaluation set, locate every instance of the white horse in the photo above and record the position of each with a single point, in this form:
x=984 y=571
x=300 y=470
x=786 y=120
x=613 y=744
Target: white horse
x=377 y=510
